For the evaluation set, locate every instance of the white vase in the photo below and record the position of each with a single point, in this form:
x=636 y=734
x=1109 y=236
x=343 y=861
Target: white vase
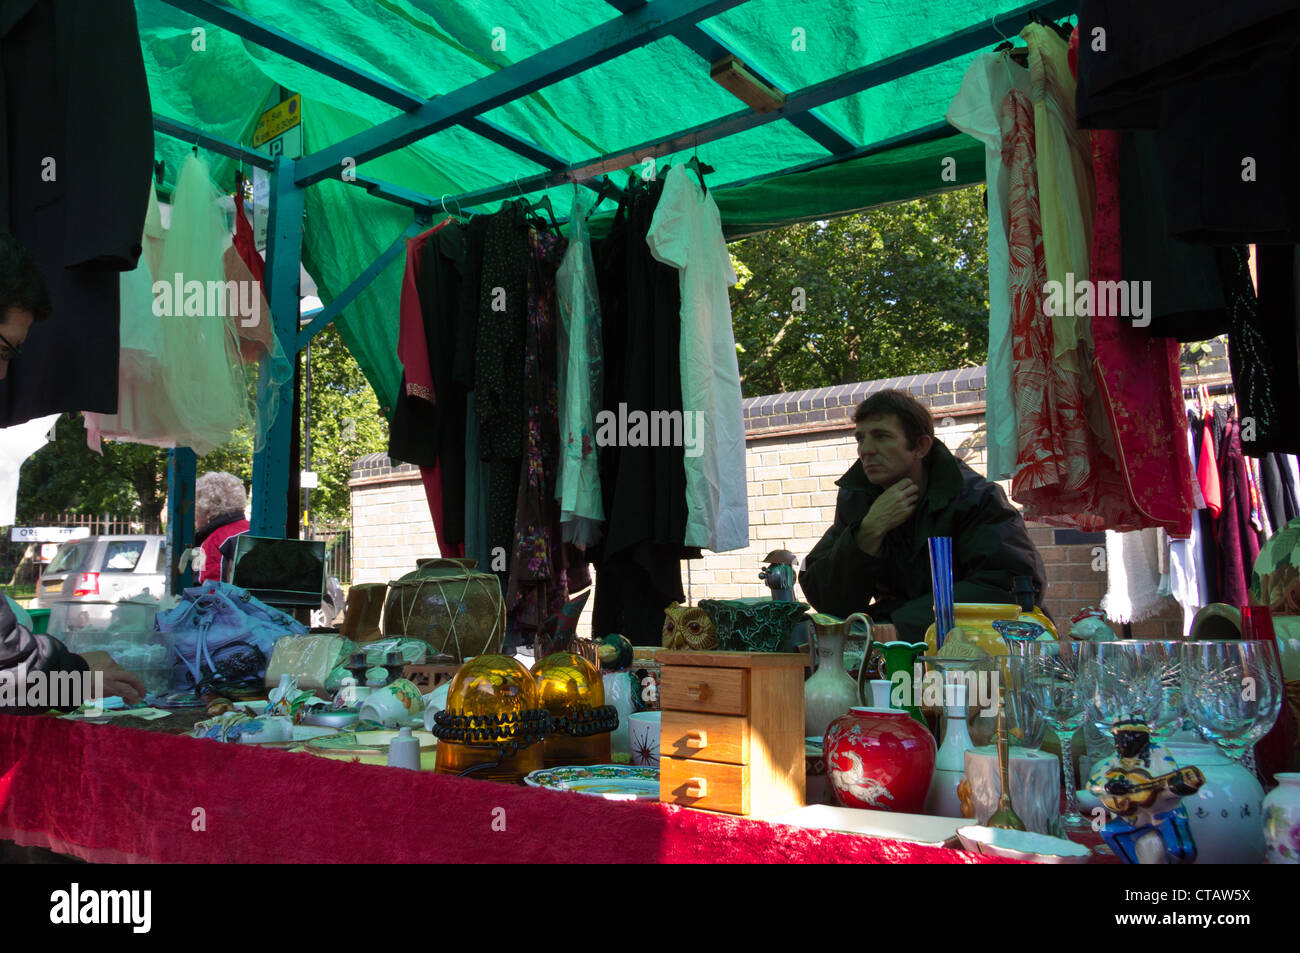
x=1226 y=814
x=1282 y=820
x=618 y=692
x=950 y=764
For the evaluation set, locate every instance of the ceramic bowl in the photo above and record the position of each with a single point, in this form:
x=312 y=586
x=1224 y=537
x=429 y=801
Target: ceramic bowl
x=1022 y=845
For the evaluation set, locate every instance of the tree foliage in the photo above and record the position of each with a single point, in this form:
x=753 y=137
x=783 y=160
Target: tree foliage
x=898 y=290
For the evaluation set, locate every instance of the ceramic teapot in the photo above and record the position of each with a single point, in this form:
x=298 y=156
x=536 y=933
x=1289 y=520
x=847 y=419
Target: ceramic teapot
x=831 y=692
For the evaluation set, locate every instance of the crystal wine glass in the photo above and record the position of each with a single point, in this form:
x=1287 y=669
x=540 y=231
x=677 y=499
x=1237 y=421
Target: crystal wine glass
x=1057 y=689
x=1268 y=715
x=1162 y=660
x=1229 y=689
x=1120 y=684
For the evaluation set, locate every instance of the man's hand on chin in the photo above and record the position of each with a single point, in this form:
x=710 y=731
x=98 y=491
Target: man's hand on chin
x=891 y=509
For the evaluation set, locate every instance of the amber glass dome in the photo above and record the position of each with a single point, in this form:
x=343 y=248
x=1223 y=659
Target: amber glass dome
x=490 y=685
x=566 y=682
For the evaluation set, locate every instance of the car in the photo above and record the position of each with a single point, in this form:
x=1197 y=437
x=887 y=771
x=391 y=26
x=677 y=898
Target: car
x=101 y=579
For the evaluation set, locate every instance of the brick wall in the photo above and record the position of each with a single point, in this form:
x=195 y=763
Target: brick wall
x=797 y=446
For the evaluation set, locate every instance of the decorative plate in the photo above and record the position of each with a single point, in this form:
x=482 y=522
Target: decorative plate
x=364 y=742
x=613 y=782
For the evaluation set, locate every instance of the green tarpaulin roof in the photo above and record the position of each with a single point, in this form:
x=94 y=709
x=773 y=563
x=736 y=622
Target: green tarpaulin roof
x=881 y=73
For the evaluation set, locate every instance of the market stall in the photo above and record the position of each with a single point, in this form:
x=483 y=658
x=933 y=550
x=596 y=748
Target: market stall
x=491 y=363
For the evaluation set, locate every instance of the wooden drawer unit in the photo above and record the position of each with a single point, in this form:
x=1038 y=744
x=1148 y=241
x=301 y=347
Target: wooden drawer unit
x=731 y=736
x=694 y=688
x=722 y=738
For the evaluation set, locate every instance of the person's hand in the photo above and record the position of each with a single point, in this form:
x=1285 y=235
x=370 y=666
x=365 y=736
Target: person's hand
x=117 y=680
x=891 y=509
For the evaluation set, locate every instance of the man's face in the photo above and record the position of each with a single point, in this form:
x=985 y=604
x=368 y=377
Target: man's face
x=13 y=331
x=883 y=452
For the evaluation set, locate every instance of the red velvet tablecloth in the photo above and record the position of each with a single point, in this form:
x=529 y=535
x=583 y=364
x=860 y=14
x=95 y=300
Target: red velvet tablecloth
x=115 y=794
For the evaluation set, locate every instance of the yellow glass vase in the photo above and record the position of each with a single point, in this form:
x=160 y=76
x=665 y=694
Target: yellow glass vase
x=494 y=685
x=976 y=619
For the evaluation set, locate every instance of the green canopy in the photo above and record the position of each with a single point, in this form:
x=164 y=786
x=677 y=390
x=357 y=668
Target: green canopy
x=880 y=73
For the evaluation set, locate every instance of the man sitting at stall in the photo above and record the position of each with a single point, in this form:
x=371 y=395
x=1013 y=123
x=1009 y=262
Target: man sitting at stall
x=906 y=487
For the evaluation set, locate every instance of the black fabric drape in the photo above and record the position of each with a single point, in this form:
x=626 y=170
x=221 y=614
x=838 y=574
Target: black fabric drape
x=422 y=432
x=638 y=568
x=72 y=91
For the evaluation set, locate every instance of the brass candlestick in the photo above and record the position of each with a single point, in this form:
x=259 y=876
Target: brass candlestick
x=1005 y=816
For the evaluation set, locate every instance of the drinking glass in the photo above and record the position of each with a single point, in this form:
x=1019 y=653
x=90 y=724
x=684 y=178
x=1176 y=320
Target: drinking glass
x=1267 y=716
x=1162 y=660
x=1057 y=689
x=1231 y=691
x=1025 y=722
x=1120 y=684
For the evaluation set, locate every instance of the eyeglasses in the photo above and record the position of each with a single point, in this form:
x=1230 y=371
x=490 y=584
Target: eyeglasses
x=9 y=351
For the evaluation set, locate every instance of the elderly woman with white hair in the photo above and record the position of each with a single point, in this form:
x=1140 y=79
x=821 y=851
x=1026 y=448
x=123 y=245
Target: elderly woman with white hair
x=219 y=502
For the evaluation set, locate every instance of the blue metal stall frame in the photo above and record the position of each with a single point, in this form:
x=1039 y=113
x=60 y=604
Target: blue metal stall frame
x=638 y=24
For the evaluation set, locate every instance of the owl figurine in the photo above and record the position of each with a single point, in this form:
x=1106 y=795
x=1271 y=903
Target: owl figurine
x=688 y=627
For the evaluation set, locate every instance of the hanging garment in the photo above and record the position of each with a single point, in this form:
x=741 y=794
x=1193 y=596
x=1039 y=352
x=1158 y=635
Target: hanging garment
x=428 y=426
x=1208 y=551
x=1237 y=542
x=1154 y=46
x=581 y=376
x=1207 y=471
x=17 y=443
x=257 y=340
x=537 y=586
x=144 y=406
x=1067 y=193
x=1187 y=300
x=499 y=367
x=76 y=166
x=1290 y=491
x=202 y=370
x=1133 y=576
x=1262 y=347
x=1057 y=477
x=1188 y=574
x=632 y=590
x=977 y=110
x=477 y=473
x=644 y=488
x=686 y=232
x=1139 y=377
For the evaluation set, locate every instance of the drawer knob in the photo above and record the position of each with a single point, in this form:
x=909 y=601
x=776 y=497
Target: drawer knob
x=697 y=690
x=697 y=787
x=697 y=739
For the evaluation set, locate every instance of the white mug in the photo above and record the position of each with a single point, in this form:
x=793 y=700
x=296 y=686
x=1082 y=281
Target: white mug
x=643 y=738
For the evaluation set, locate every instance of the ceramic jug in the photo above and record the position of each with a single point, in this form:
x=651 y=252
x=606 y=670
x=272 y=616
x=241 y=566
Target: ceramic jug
x=901 y=669
x=830 y=692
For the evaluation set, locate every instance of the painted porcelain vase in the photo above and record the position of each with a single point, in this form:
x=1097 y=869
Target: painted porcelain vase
x=1282 y=820
x=950 y=764
x=1227 y=813
x=880 y=759
x=901 y=670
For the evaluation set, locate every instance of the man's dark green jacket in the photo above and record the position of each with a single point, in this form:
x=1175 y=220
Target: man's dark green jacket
x=989 y=540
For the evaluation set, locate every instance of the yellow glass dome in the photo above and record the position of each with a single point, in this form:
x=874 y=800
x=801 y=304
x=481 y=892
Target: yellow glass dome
x=566 y=682
x=499 y=688
x=566 y=685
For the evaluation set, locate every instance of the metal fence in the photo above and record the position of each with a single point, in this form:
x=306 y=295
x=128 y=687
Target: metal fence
x=338 y=549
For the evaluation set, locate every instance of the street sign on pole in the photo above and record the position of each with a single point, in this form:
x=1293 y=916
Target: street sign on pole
x=47 y=534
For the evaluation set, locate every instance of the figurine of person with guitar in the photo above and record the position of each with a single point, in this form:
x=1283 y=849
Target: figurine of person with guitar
x=1143 y=787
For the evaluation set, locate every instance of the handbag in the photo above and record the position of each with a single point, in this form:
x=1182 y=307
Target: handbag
x=223 y=637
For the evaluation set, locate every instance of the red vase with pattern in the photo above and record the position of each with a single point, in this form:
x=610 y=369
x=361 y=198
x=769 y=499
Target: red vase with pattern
x=880 y=759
